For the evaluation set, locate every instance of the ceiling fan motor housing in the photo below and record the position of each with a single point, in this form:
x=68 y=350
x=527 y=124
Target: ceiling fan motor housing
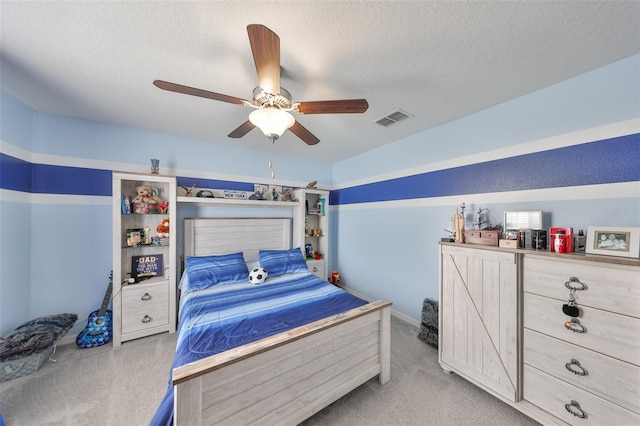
x=281 y=100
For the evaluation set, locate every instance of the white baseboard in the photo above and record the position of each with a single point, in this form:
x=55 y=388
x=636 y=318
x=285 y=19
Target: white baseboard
x=66 y=340
x=395 y=313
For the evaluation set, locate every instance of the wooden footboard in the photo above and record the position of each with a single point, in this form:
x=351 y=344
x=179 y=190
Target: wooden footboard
x=288 y=377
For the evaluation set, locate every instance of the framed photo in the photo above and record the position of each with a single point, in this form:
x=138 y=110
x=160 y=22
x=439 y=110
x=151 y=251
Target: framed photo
x=134 y=237
x=288 y=193
x=275 y=192
x=260 y=192
x=611 y=241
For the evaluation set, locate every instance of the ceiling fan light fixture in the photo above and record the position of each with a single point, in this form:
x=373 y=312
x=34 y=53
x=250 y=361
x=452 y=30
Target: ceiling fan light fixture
x=272 y=121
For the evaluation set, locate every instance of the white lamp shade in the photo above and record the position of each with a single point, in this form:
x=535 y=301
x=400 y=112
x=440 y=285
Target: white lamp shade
x=272 y=121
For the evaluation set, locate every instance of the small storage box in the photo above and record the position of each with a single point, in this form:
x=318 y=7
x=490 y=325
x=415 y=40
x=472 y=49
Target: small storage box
x=24 y=366
x=485 y=238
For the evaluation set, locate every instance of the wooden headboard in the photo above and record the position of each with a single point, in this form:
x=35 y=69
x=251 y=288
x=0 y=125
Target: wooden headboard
x=215 y=236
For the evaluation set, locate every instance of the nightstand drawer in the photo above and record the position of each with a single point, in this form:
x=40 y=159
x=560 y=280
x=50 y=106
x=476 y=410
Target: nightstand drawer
x=559 y=398
x=144 y=306
x=316 y=267
x=604 y=332
x=609 y=287
x=609 y=378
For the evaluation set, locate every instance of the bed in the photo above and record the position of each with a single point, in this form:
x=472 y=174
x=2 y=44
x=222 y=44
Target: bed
x=272 y=353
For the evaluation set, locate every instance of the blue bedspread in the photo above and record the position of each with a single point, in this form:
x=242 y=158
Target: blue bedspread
x=225 y=316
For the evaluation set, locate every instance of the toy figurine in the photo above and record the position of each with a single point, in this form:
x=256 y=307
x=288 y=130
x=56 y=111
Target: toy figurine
x=163 y=229
x=458 y=226
x=335 y=279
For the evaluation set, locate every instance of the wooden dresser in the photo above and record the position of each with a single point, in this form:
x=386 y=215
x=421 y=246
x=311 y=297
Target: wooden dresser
x=582 y=371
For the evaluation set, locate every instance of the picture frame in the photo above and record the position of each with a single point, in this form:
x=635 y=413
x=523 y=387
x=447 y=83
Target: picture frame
x=613 y=241
x=275 y=192
x=135 y=237
x=288 y=193
x=260 y=192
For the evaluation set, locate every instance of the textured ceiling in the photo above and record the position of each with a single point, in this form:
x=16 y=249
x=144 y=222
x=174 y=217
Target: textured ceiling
x=437 y=61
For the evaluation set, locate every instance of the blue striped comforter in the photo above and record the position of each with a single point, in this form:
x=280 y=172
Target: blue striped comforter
x=226 y=316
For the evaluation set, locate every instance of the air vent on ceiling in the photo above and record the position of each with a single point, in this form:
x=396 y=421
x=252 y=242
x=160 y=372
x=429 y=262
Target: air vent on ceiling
x=393 y=118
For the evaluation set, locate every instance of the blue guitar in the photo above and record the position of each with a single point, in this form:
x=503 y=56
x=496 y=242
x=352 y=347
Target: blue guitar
x=99 y=329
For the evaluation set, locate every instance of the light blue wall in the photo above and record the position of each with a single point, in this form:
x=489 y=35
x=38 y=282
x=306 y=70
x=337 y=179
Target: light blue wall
x=603 y=96
x=15 y=222
x=390 y=249
x=129 y=147
x=56 y=252
x=56 y=245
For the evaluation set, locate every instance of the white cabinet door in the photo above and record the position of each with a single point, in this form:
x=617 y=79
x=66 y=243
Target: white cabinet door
x=479 y=317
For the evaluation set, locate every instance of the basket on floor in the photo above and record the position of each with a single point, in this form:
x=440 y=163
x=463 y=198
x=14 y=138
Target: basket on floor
x=29 y=346
x=429 y=324
x=24 y=366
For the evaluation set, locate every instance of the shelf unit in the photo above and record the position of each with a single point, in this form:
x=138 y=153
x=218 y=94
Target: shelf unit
x=147 y=307
x=313 y=229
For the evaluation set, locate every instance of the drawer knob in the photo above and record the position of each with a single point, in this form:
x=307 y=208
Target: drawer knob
x=574 y=408
x=146 y=297
x=575 y=326
x=315 y=269
x=146 y=319
x=575 y=284
x=575 y=367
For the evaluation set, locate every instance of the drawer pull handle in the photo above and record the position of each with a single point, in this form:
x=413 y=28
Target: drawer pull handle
x=574 y=408
x=575 y=326
x=146 y=297
x=575 y=367
x=146 y=319
x=575 y=284
x=315 y=269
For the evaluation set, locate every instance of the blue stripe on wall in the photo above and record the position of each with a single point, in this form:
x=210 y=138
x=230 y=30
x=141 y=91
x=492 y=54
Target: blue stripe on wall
x=607 y=161
x=214 y=184
x=15 y=174
x=48 y=179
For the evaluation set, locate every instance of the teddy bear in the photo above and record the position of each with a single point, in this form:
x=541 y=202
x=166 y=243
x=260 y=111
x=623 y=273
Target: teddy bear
x=163 y=228
x=147 y=194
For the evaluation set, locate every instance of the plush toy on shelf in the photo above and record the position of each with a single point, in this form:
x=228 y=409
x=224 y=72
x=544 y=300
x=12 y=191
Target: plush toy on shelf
x=163 y=228
x=147 y=201
x=147 y=194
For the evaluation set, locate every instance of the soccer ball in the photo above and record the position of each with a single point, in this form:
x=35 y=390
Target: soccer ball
x=258 y=276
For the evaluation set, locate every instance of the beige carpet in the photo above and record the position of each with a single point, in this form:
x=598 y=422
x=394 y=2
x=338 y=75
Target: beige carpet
x=107 y=386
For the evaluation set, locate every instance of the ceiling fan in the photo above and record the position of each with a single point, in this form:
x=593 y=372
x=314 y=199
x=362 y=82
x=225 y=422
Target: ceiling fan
x=272 y=103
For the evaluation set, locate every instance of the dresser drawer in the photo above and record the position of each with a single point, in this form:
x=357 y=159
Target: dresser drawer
x=608 y=286
x=606 y=332
x=613 y=380
x=555 y=396
x=144 y=306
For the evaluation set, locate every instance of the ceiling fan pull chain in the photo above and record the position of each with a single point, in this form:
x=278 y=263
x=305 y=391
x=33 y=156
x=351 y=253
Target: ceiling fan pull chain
x=273 y=173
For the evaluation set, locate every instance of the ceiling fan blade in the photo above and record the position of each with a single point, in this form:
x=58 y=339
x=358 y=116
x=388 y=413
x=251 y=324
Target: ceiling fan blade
x=301 y=132
x=265 y=46
x=345 y=106
x=244 y=128
x=179 y=88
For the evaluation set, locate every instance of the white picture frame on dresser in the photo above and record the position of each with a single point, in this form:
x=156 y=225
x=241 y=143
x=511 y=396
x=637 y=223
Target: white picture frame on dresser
x=613 y=241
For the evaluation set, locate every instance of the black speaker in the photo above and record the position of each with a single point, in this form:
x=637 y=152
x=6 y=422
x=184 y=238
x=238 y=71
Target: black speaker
x=538 y=239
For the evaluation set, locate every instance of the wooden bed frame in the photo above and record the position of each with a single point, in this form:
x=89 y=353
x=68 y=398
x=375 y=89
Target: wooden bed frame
x=286 y=378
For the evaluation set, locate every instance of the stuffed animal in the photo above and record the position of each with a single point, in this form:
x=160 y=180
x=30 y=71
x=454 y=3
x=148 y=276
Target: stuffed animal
x=147 y=194
x=163 y=228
